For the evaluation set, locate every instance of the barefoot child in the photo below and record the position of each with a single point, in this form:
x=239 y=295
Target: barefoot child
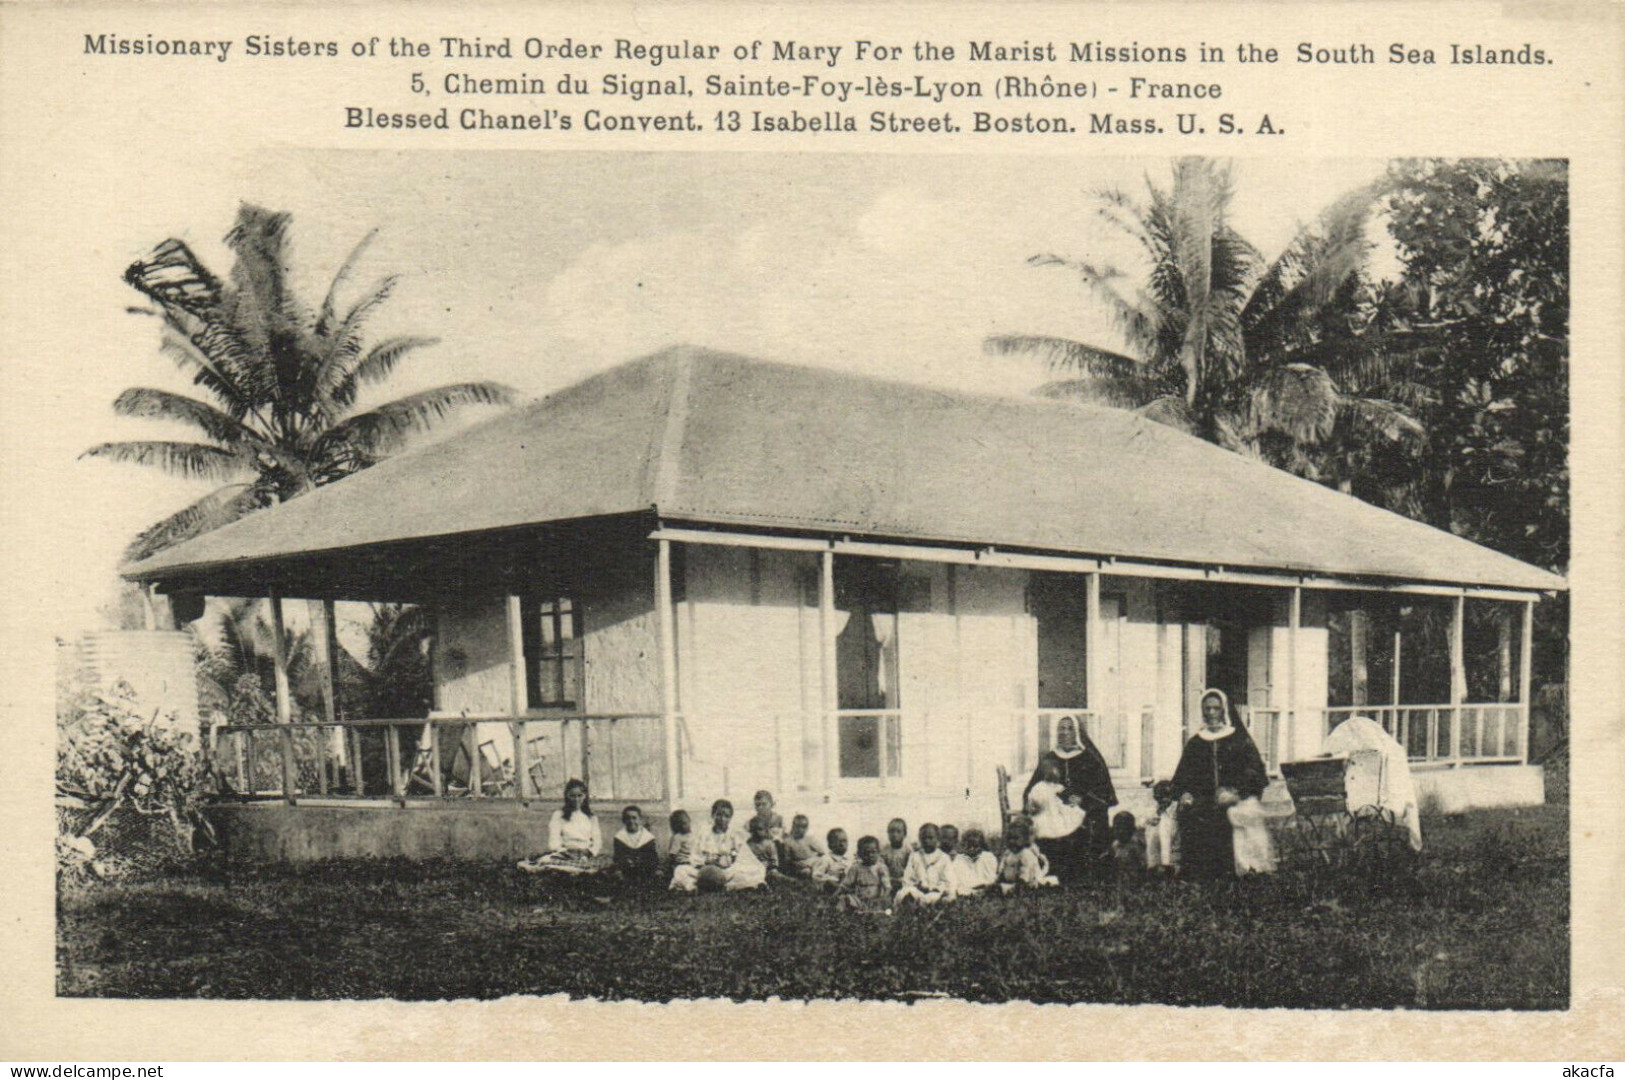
x=800 y=851
x=681 y=844
x=1023 y=865
x=721 y=857
x=1128 y=850
x=637 y=855
x=897 y=849
x=975 y=869
x=763 y=847
x=829 y=871
x=772 y=824
x=925 y=878
x=867 y=885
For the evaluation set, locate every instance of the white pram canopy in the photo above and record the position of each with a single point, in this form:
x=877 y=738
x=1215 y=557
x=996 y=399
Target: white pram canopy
x=1378 y=773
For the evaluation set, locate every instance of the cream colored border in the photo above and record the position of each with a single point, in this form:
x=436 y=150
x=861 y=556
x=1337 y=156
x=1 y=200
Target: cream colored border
x=51 y=128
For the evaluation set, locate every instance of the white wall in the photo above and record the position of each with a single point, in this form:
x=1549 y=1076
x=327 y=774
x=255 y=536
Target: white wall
x=471 y=656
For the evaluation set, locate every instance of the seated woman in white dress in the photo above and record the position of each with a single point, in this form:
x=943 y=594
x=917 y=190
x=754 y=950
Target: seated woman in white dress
x=574 y=840
x=721 y=857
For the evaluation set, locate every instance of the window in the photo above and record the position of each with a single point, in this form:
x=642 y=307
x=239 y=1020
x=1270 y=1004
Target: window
x=553 y=653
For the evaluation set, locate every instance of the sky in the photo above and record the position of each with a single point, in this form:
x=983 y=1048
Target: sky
x=537 y=270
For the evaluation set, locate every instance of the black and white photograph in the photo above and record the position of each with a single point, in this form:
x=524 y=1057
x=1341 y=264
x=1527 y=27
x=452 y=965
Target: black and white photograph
x=651 y=577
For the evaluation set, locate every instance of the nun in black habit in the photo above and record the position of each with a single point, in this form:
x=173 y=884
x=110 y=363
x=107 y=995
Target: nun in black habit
x=1086 y=783
x=1219 y=769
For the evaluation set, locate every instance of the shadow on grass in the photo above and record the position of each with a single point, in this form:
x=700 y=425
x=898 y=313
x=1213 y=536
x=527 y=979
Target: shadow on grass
x=1482 y=923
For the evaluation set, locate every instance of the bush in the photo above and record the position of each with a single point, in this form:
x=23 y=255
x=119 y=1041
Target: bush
x=128 y=786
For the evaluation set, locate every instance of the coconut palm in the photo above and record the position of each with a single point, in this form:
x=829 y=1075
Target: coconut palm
x=1268 y=359
x=281 y=380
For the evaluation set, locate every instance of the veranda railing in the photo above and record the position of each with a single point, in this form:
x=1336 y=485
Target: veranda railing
x=443 y=757
x=1466 y=734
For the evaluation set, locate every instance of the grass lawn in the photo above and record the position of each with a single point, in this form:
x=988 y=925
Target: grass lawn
x=1484 y=924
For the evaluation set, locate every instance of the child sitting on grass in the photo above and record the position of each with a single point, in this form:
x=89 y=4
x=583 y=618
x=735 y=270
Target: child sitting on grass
x=1023 y=865
x=948 y=840
x=1128 y=850
x=637 y=855
x=867 y=885
x=763 y=847
x=897 y=849
x=925 y=878
x=830 y=870
x=771 y=822
x=799 y=852
x=681 y=844
x=975 y=869
x=721 y=858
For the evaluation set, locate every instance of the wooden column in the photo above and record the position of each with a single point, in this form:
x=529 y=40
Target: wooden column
x=828 y=698
x=1195 y=677
x=325 y=639
x=1294 y=620
x=1399 y=642
x=1503 y=652
x=667 y=633
x=1526 y=671
x=518 y=696
x=1094 y=643
x=284 y=696
x=1458 y=673
x=1359 y=676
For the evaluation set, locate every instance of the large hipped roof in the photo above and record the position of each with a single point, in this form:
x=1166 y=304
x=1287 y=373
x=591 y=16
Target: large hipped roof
x=699 y=436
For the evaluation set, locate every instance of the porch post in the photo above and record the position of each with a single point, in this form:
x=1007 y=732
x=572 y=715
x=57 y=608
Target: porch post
x=1458 y=673
x=1503 y=653
x=666 y=631
x=828 y=698
x=284 y=697
x=1359 y=677
x=321 y=619
x=1398 y=651
x=518 y=693
x=1093 y=641
x=1293 y=621
x=1526 y=671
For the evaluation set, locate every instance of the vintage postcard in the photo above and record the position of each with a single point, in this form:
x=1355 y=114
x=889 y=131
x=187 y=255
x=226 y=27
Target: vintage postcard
x=721 y=522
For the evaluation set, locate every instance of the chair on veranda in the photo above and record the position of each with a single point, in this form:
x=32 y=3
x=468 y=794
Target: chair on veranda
x=1004 y=799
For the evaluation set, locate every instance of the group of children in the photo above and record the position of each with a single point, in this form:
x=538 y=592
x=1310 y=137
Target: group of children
x=939 y=866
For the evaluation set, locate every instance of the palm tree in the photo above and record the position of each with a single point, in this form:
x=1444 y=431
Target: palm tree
x=281 y=380
x=1269 y=360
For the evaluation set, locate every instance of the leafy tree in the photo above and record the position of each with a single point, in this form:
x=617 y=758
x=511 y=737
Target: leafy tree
x=1483 y=307
x=1482 y=312
x=281 y=380
x=1263 y=359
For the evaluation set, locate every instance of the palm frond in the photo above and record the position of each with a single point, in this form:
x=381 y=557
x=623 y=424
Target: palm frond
x=263 y=308
x=162 y=405
x=1299 y=401
x=173 y=277
x=191 y=461
x=330 y=302
x=1319 y=262
x=339 y=350
x=1386 y=418
x=1134 y=318
x=219 y=507
x=384 y=430
x=1119 y=393
x=1172 y=410
x=1065 y=356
